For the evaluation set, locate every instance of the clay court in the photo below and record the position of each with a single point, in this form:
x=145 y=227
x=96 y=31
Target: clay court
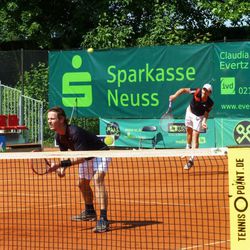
x=153 y=204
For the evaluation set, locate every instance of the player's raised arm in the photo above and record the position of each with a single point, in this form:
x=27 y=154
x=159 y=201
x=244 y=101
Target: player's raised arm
x=178 y=93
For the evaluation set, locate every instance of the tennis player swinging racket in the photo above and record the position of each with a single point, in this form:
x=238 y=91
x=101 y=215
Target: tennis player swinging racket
x=196 y=115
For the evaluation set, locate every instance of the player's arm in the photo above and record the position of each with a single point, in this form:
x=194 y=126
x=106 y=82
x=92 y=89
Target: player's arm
x=204 y=120
x=65 y=164
x=178 y=93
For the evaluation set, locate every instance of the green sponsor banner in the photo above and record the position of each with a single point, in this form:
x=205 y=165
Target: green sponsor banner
x=232 y=132
x=137 y=82
x=231 y=65
x=127 y=133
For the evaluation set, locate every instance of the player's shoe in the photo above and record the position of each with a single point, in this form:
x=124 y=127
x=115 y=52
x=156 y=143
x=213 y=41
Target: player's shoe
x=84 y=216
x=189 y=165
x=101 y=226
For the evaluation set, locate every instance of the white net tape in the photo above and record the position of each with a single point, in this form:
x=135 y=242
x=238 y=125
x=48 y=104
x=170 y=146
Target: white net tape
x=117 y=153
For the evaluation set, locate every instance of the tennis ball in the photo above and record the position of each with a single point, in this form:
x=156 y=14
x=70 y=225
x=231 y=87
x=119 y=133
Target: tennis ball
x=109 y=140
x=90 y=50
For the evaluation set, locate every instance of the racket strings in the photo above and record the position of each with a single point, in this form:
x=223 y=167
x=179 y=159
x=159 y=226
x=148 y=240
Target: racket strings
x=40 y=166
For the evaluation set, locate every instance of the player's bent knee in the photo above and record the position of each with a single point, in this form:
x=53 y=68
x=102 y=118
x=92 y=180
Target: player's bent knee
x=99 y=177
x=82 y=183
x=189 y=130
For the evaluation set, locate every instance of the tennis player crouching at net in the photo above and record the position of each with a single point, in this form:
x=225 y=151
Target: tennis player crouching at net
x=196 y=115
x=70 y=137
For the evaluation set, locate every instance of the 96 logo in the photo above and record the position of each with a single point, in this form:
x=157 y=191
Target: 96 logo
x=242 y=133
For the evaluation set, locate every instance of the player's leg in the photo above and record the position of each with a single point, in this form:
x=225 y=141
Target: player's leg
x=100 y=190
x=195 y=139
x=190 y=162
x=196 y=128
x=101 y=196
x=85 y=175
x=100 y=168
x=189 y=133
x=189 y=127
x=189 y=122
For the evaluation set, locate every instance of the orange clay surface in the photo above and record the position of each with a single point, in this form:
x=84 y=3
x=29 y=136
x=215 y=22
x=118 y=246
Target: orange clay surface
x=153 y=204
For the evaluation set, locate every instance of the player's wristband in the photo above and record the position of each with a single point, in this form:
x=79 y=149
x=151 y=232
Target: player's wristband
x=66 y=163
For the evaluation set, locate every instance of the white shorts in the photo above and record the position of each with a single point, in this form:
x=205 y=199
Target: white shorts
x=87 y=169
x=193 y=121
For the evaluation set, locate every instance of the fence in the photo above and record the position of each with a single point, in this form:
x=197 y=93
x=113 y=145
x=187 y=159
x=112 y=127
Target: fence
x=29 y=111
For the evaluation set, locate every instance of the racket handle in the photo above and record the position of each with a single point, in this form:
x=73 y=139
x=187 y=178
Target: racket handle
x=170 y=105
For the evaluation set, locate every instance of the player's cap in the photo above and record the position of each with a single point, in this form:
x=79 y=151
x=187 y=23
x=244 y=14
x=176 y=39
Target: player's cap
x=208 y=87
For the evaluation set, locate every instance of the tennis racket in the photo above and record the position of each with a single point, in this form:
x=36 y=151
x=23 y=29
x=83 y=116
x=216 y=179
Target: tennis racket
x=212 y=80
x=73 y=111
x=166 y=118
x=40 y=166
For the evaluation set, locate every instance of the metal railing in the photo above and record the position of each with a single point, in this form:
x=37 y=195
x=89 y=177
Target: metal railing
x=29 y=111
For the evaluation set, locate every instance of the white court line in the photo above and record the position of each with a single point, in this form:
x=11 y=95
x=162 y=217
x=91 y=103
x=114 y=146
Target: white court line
x=27 y=194
x=207 y=244
x=160 y=203
x=25 y=179
x=121 y=200
x=67 y=204
x=33 y=208
x=155 y=203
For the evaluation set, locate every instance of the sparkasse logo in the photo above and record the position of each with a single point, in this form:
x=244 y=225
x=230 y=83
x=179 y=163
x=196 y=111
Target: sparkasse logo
x=76 y=86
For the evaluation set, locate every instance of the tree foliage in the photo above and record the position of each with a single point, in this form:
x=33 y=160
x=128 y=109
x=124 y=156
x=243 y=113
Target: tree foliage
x=117 y=23
x=46 y=21
x=32 y=82
x=35 y=84
x=141 y=23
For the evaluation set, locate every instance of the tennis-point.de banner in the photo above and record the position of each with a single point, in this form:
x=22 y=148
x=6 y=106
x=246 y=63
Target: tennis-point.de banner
x=239 y=193
x=137 y=82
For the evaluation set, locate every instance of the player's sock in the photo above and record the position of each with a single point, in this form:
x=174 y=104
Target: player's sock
x=103 y=214
x=89 y=208
x=188 y=146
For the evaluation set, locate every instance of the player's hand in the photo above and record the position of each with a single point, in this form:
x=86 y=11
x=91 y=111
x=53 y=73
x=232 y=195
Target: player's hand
x=171 y=98
x=61 y=172
x=204 y=124
x=53 y=167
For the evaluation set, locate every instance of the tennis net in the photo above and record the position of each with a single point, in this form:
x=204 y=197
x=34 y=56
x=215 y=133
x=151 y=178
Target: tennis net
x=153 y=203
